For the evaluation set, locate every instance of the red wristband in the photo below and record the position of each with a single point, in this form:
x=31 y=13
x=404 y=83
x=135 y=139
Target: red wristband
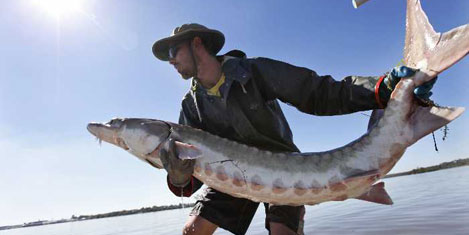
x=378 y=84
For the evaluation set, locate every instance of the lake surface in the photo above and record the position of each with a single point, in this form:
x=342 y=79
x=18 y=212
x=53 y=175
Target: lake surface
x=430 y=203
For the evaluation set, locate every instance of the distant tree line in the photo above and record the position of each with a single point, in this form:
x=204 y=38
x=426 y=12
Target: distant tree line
x=131 y=212
x=441 y=166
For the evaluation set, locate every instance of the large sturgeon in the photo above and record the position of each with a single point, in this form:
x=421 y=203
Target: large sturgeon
x=311 y=178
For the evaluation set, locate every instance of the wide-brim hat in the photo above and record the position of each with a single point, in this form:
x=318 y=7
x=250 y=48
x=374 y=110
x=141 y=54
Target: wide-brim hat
x=215 y=38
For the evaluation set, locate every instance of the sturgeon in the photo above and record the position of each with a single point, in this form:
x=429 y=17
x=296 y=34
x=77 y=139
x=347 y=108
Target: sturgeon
x=284 y=178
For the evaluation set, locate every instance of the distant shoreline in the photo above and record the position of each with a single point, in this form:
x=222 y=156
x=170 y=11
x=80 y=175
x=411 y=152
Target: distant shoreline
x=420 y=170
x=99 y=216
x=441 y=166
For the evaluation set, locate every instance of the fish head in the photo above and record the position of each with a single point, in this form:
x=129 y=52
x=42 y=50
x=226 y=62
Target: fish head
x=136 y=135
x=109 y=132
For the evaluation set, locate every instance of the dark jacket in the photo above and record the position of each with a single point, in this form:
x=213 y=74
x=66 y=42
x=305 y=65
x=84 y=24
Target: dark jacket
x=248 y=110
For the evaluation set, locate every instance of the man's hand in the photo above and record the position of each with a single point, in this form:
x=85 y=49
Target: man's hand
x=179 y=171
x=422 y=92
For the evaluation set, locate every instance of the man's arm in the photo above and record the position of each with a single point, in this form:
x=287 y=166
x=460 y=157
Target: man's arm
x=193 y=184
x=311 y=93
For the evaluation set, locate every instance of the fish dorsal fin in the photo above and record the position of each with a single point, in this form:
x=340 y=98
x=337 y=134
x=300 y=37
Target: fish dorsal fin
x=187 y=151
x=426 y=49
x=377 y=194
x=374 y=118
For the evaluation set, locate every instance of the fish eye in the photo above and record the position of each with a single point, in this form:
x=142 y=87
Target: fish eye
x=115 y=122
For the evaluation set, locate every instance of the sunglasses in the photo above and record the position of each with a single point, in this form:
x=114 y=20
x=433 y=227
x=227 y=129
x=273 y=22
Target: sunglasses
x=173 y=50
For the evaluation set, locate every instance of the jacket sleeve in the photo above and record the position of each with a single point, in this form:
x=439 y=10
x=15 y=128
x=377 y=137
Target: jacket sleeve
x=194 y=184
x=311 y=93
x=188 y=190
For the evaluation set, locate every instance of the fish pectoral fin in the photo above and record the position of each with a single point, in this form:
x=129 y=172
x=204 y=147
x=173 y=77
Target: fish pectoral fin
x=377 y=194
x=187 y=151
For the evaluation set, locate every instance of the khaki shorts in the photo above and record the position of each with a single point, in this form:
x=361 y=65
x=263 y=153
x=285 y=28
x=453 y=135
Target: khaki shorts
x=235 y=214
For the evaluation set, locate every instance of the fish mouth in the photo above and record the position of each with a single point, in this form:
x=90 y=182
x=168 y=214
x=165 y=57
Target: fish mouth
x=107 y=133
x=95 y=128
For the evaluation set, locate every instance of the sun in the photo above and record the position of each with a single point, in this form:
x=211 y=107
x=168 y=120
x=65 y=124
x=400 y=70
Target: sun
x=59 y=8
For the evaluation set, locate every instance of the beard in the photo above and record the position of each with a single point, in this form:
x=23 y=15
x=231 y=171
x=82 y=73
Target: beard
x=186 y=76
x=186 y=68
x=187 y=73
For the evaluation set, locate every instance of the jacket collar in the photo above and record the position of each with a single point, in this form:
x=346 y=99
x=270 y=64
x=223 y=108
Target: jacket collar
x=235 y=70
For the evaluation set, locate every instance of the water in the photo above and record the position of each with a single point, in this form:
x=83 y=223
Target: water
x=431 y=203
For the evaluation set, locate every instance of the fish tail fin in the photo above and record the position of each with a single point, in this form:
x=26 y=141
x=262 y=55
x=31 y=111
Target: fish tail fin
x=419 y=33
x=377 y=194
x=425 y=120
x=436 y=51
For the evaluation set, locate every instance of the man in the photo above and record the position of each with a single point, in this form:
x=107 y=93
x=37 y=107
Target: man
x=236 y=98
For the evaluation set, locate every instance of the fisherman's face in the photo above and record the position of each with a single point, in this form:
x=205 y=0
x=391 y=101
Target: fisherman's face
x=180 y=57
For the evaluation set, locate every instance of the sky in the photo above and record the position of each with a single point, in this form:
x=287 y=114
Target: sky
x=93 y=62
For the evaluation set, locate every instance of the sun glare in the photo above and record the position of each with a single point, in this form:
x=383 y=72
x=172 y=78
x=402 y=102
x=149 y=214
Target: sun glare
x=59 y=8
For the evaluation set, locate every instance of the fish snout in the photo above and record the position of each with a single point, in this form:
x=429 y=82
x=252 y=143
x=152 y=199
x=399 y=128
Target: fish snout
x=104 y=132
x=93 y=128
